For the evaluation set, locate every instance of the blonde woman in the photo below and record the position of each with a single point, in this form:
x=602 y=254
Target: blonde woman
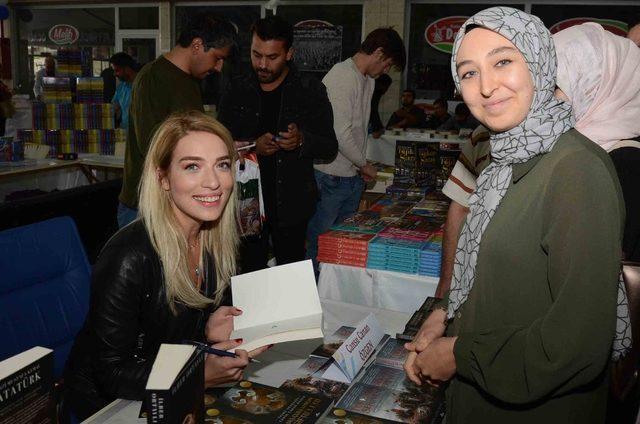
x=160 y=278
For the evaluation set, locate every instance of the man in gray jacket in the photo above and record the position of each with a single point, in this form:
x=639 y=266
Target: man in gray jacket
x=350 y=87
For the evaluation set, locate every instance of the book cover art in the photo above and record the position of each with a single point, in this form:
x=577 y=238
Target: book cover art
x=342 y=416
x=407 y=406
x=26 y=390
x=257 y=403
x=392 y=354
x=317 y=386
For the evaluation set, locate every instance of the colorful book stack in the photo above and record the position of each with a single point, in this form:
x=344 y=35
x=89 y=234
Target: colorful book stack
x=93 y=115
x=59 y=116
x=101 y=141
x=395 y=254
x=344 y=247
x=431 y=257
x=412 y=227
x=52 y=139
x=81 y=140
x=89 y=90
x=39 y=116
x=368 y=221
x=31 y=136
x=56 y=90
x=69 y=62
x=67 y=142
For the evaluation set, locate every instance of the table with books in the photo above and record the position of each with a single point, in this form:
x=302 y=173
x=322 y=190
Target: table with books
x=387 y=256
x=295 y=373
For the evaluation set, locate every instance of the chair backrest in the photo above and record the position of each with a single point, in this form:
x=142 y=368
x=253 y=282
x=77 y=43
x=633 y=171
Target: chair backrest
x=44 y=288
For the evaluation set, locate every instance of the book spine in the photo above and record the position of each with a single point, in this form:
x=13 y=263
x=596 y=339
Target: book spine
x=157 y=401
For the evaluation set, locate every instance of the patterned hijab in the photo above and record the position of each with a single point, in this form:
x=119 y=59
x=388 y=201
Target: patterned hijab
x=546 y=121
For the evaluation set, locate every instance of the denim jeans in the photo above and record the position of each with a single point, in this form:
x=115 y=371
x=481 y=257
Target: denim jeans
x=126 y=214
x=338 y=198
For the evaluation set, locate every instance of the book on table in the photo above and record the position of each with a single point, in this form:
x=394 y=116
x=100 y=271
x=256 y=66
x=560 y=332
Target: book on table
x=279 y=304
x=26 y=387
x=175 y=388
x=250 y=402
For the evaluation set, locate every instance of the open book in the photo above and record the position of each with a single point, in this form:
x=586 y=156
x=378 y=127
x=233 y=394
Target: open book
x=279 y=304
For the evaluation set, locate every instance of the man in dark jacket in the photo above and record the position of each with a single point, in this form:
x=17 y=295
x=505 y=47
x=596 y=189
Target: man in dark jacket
x=290 y=118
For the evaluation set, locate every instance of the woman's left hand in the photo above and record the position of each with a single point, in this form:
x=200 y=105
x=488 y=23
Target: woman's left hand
x=437 y=362
x=220 y=324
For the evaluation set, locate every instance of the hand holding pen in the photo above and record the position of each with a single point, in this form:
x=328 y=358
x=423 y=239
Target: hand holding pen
x=218 y=352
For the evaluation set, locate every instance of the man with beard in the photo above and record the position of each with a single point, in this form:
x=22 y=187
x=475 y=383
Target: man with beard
x=289 y=117
x=125 y=68
x=409 y=115
x=170 y=84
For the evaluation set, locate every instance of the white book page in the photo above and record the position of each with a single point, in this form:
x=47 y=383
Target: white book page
x=170 y=360
x=277 y=294
x=21 y=360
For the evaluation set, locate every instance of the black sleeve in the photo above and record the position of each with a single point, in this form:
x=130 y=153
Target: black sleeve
x=116 y=295
x=225 y=107
x=320 y=140
x=627 y=163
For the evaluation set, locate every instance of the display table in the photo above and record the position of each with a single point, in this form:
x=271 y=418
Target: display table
x=278 y=363
x=54 y=174
x=395 y=291
x=383 y=149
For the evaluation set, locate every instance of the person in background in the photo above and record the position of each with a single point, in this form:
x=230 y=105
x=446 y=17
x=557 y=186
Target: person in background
x=125 y=68
x=109 y=81
x=49 y=70
x=461 y=119
x=170 y=84
x=290 y=118
x=528 y=338
x=440 y=114
x=409 y=115
x=350 y=87
x=634 y=30
x=382 y=84
x=165 y=277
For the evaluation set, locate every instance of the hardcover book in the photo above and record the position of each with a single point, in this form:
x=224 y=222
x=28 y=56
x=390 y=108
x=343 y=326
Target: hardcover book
x=392 y=354
x=249 y=402
x=26 y=388
x=175 y=388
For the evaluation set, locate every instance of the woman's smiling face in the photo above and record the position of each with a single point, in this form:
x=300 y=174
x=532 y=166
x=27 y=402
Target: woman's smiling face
x=494 y=79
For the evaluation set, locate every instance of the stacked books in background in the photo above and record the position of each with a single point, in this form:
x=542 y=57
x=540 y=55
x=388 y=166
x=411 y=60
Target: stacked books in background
x=79 y=116
x=89 y=90
x=70 y=62
x=407 y=225
x=101 y=141
x=56 y=90
x=344 y=247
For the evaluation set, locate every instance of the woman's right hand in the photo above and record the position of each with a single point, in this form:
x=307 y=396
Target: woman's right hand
x=223 y=369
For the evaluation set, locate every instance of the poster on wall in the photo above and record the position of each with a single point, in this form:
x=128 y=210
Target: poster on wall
x=317 y=44
x=617 y=27
x=441 y=34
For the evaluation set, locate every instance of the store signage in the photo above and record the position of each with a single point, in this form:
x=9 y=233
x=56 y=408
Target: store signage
x=616 y=27
x=64 y=34
x=441 y=34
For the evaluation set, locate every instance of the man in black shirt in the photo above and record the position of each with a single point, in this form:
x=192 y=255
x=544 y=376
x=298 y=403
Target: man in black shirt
x=291 y=120
x=409 y=115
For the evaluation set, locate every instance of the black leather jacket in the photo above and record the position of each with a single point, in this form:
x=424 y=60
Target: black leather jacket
x=288 y=183
x=128 y=319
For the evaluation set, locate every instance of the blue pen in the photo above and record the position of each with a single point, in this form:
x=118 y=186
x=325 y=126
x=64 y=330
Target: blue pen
x=218 y=352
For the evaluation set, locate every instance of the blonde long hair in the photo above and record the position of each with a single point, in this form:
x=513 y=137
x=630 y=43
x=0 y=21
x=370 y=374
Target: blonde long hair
x=218 y=238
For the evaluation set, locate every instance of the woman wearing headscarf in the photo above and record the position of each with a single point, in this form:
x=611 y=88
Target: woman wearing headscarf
x=532 y=309
x=599 y=73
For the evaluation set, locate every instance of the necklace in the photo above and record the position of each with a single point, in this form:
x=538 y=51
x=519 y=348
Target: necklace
x=197 y=270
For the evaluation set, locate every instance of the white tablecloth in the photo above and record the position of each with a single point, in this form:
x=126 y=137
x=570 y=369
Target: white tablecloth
x=389 y=290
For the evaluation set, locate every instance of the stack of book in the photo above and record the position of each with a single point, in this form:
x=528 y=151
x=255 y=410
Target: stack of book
x=393 y=254
x=412 y=227
x=431 y=257
x=89 y=90
x=419 y=316
x=344 y=247
x=368 y=221
x=56 y=90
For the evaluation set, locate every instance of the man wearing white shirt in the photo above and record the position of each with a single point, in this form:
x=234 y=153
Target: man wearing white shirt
x=350 y=87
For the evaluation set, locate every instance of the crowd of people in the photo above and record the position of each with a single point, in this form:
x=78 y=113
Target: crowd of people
x=532 y=308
